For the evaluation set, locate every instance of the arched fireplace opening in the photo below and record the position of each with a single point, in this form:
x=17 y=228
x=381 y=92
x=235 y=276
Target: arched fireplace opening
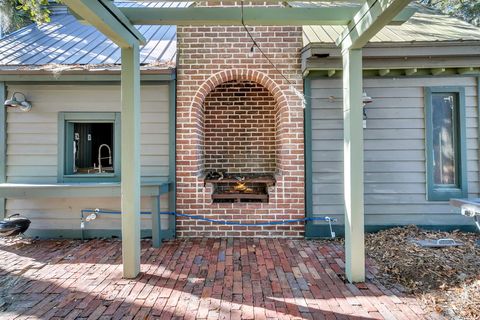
x=240 y=141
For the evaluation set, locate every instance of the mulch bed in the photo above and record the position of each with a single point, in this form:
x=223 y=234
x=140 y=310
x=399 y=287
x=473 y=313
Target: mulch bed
x=446 y=279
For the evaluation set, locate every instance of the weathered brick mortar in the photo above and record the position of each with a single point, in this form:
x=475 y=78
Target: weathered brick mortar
x=208 y=57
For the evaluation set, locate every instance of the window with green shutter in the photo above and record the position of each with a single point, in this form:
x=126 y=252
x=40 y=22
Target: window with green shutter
x=445 y=143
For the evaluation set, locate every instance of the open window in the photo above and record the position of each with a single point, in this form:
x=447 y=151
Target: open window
x=90 y=147
x=445 y=136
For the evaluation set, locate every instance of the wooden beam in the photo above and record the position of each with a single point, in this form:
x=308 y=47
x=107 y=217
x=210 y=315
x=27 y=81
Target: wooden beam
x=468 y=70
x=353 y=165
x=339 y=15
x=383 y=72
x=130 y=159
x=437 y=71
x=108 y=19
x=411 y=72
x=371 y=18
x=395 y=63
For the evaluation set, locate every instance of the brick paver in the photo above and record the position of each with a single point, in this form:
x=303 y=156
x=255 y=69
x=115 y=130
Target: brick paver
x=192 y=279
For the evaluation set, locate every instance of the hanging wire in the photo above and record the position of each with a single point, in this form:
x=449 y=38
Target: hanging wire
x=255 y=44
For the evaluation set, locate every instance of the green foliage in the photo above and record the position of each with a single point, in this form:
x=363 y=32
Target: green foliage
x=468 y=10
x=18 y=13
x=36 y=9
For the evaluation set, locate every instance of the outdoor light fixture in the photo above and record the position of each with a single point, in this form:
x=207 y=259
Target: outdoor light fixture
x=366 y=100
x=19 y=101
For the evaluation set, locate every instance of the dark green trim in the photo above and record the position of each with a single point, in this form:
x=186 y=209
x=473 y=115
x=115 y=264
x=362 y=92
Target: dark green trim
x=88 y=233
x=323 y=230
x=307 y=88
x=65 y=131
x=436 y=193
x=3 y=144
x=49 y=77
x=172 y=137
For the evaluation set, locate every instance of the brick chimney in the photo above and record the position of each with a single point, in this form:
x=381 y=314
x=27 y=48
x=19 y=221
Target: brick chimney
x=236 y=113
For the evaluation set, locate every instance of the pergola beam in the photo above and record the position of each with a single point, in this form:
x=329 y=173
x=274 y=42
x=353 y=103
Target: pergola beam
x=339 y=15
x=108 y=19
x=371 y=18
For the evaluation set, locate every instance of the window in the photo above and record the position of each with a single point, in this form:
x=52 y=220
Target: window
x=89 y=147
x=445 y=137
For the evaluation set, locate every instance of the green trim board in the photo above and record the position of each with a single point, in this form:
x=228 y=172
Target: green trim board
x=77 y=190
x=87 y=233
x=315 y=231
x=3 y=144
x=337 y=15
x=370 y=18
x=83 y=77
x=308 y=153
x=172 y=113
x=437 y=192
x=108 y=19
x=65 y=151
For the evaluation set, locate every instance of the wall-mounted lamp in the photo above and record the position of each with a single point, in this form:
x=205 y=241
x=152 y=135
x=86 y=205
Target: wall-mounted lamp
x=366 y=100
x=19 y=101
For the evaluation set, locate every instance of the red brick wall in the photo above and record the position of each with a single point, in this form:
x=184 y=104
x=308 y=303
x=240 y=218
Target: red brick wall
x=207 y=58
x=240 y=128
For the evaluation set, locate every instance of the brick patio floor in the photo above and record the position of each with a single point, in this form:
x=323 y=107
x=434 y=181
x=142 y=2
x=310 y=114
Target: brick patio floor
x=191 y=279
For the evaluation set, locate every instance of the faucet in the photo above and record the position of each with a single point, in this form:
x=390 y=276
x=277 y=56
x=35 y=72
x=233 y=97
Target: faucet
x=100 y=156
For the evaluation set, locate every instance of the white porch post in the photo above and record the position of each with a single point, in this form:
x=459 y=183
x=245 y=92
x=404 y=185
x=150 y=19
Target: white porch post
x=353 y=165
x=130 y=144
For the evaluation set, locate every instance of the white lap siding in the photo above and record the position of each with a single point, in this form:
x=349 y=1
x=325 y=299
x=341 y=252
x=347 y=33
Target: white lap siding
x=395 y=177
x=32 y=148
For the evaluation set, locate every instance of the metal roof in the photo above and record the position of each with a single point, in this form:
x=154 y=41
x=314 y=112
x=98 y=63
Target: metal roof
x=66 y=42
x=426 y=25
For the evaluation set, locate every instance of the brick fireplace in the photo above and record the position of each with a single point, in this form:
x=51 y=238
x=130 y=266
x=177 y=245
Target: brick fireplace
x=239 y=124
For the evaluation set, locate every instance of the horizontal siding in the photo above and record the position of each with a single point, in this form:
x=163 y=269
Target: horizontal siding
x=32 y=147
x=395 y=178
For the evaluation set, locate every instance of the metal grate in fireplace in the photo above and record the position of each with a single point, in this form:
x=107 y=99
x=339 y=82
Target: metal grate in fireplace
x=234 y=188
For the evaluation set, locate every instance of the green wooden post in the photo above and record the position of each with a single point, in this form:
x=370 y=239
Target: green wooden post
x=156 y=228
x=478 y=115
x=3 y=145
x=353 y=165
x=130 y=161
x=172 y=129
x=307 y=87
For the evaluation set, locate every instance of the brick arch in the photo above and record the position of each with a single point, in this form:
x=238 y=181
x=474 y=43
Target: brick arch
x=239 y=74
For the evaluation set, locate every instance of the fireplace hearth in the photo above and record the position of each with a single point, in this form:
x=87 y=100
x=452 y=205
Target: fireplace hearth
x=234 y=188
